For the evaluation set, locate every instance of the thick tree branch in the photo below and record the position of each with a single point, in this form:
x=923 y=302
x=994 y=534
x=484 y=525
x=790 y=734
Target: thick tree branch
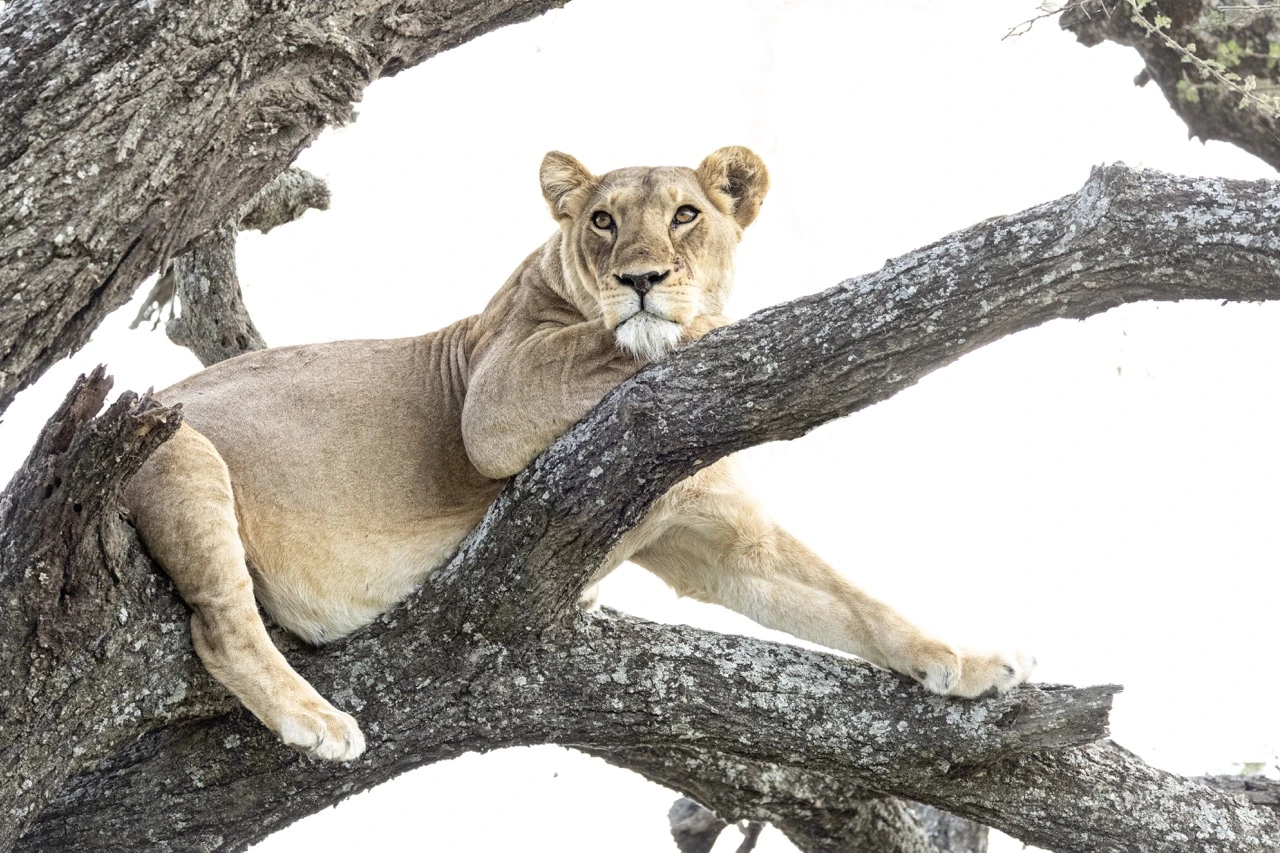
x=1241 y=40
x=491 y=652
x=169 y=136
x=602 y=682
x=77 y=593
x=1126 y=236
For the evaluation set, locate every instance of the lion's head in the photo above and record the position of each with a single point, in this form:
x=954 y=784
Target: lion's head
x=648 y=250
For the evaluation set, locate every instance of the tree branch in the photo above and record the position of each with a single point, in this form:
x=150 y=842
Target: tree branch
x=1128 y=235
x=292 y=193
x=215 y=325
x=492 y=653
x=130 y=131
x=818 y=813
x=1239 y=42
x=603 y=682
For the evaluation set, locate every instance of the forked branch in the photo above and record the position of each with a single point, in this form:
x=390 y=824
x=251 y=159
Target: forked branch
x=214 y=324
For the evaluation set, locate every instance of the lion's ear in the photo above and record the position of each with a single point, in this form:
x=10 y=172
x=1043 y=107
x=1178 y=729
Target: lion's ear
x=736 y=180
x=565 y=184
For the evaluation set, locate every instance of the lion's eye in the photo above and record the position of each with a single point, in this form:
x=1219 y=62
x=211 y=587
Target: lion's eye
x=684 y=215
x=602 y=220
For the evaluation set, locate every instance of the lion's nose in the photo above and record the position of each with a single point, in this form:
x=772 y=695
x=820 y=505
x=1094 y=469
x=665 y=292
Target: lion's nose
x=642 y=282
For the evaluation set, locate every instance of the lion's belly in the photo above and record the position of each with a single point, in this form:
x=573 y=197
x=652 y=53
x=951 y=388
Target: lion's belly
x=350 y=478
x=322 y=579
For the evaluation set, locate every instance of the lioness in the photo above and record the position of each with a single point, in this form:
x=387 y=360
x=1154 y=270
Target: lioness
x=331 y=479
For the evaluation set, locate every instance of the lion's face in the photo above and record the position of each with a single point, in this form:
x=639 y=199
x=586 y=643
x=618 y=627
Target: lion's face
x=651 y=249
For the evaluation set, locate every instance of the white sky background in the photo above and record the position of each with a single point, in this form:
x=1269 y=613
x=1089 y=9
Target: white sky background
x=1100 y=493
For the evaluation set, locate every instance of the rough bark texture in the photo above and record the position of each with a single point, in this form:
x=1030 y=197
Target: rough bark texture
x=215 y=325
x=1242 y=39
x=79 y=605
x=948 y=833
x=129 y=130
x=292 y=193
x=694 y=828
x=135 y=748
x=863 y=823
x=213 y=322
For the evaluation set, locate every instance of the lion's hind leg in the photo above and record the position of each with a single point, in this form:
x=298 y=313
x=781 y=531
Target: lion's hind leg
x=181 y=502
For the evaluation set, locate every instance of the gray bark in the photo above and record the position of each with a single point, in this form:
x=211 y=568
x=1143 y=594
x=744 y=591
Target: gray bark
x=948 y=833
x=117 y=740
x=293 y=192
x=1258 y=790
x=76 y=613
x=693 y=827
x=129 y=130
x=1209 y=110
x=842 y=819
x=215 y=324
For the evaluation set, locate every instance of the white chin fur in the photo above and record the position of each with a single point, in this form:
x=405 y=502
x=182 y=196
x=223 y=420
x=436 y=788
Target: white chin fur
x=647 y=337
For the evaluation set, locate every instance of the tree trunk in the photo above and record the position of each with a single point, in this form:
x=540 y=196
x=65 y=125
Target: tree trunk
x=117 y=740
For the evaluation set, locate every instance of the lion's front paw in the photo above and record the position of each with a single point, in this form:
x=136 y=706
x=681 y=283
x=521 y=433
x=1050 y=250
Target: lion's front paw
x=984 y=671
x=935 y=665
x=321 y=731
x=943 y=670
x=700 y=325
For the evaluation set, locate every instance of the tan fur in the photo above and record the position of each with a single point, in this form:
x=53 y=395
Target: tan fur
x=331 y=479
